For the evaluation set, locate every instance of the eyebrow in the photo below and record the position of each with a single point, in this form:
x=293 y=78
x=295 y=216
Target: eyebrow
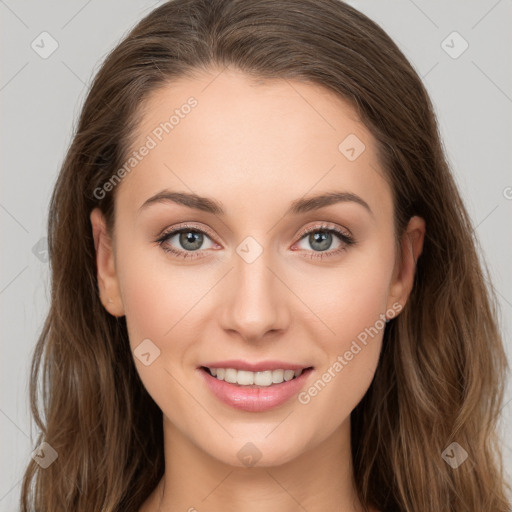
x=210 y=205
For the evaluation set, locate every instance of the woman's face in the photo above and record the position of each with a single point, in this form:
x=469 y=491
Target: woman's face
x=244 y=286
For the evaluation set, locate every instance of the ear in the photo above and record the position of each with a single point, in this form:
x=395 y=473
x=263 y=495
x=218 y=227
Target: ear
x=411 y=246
x=108 y=283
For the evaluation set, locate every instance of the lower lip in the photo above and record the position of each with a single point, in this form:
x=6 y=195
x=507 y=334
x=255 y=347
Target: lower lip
x=255 y=399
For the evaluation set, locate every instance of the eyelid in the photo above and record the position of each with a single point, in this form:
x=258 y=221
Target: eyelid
x=342 y=233
x=186 y=225
x=326 y=226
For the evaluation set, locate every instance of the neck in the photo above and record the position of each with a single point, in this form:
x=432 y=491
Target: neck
x=318 y=479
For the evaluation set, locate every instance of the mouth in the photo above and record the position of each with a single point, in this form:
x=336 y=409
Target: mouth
x=254 y=380
x=255 y=391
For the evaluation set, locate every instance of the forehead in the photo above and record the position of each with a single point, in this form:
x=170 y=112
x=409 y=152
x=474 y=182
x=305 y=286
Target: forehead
x=239 y=139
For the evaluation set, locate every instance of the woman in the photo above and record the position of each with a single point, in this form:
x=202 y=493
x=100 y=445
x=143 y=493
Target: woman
x=326 y=341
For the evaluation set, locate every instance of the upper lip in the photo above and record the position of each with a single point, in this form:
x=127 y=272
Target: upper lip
x=256 y=367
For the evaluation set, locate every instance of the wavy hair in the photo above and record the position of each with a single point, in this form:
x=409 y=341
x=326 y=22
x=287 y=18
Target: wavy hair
x=442 y=368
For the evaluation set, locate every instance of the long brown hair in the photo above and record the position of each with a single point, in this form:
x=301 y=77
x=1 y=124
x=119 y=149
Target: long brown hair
x=441 y=373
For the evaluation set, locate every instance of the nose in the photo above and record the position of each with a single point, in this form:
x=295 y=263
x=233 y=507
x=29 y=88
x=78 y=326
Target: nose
x=256 y=301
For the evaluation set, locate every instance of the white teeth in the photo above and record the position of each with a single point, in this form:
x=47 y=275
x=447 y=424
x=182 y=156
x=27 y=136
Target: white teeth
x=245 y=378
x=289 y=374
x=230 y=375
x=263 y=378
x=277 y=376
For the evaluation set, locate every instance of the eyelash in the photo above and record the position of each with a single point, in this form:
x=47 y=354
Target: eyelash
x=346 y=240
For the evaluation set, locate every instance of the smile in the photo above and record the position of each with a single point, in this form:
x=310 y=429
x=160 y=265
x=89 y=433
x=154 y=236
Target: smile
x=254 y=391
x=247 y=378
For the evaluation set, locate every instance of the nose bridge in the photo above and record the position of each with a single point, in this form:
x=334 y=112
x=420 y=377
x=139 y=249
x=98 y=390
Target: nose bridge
x=254 y=302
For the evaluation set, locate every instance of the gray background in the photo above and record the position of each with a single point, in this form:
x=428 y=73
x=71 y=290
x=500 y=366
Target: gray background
x=41 y=98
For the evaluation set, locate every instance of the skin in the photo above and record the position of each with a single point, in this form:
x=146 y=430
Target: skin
x=254 y=146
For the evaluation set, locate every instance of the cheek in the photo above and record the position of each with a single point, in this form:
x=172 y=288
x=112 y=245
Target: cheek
x=163 y=303
x=157 y=298
x=155 y=293
x=351 y=297
x=353 y=306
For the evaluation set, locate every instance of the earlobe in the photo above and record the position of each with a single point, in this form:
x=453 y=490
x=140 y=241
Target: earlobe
x=108 y=283
x=405 y=269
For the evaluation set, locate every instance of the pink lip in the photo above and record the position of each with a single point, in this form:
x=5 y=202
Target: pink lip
x=254 y=398
x=238 y=364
